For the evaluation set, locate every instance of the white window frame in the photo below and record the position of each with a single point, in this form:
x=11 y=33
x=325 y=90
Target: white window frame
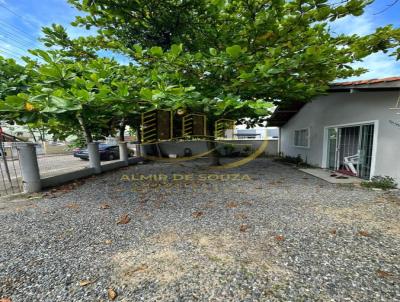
x=324 y=163
x=308 y=138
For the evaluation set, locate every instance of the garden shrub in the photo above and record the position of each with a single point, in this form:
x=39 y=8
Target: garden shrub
x=380 y=182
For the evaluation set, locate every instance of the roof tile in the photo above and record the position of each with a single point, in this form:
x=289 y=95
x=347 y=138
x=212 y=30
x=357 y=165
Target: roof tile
x=366 y=82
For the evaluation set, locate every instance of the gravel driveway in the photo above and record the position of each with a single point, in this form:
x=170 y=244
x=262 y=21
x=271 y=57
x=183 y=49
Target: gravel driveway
x=265 y=232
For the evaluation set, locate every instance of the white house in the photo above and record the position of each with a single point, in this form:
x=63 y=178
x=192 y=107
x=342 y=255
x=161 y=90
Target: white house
x=355 y=128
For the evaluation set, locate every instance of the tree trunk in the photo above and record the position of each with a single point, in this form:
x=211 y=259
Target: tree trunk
x=138 y=131
x=122 y=134
x=212 y=145
x=138 y=138
x=85 y=129
x=122 y=126
x=32 y=133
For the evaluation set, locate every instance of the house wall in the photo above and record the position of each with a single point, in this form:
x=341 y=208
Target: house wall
x=199 y=147
x=347 y=108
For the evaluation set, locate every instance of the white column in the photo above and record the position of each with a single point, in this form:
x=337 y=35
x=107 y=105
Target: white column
x=29 y=168
x=94 y=157
x=123 y=152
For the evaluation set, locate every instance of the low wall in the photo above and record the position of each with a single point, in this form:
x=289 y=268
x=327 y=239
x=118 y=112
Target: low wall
x=112 y=166
x=57 y=180
x=178 y=148
x=271 y=150
x=200 y=146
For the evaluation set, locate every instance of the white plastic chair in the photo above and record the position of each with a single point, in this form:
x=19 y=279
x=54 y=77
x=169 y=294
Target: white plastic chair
x=350 y=162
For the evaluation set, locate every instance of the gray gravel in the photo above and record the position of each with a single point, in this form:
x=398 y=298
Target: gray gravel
x=281 y=236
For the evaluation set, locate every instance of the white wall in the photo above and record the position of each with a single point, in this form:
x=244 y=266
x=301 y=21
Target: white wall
x=348 y=108
x=199 y=147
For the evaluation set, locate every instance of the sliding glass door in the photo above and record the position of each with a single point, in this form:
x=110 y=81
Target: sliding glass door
x=332 y=148
x=366 y=145
x=351 y=145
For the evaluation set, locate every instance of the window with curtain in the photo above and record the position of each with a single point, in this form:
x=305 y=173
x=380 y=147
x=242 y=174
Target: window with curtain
x=302 y=138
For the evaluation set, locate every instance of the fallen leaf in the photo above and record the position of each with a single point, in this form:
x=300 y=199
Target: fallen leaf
x=73 y=205
x=231 y=205
x=124 y=219
x=279 y=238
x=105 y=206
x=140 y=268
x=382 y=274
x=197 y=214
x=244 y=227
x=240 y=216
x=108 y=241
x=363 y=233
x=85 y=282
x=5 y=299
x=111 y=294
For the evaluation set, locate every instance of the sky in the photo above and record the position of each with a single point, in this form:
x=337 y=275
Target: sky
x=21 y=22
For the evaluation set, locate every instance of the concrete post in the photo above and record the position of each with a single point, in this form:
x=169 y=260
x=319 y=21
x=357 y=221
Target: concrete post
x=29 y=168
x=123 y=152
x=94 y=157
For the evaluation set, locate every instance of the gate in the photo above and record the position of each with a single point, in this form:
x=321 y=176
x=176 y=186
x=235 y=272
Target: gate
x=10 y=174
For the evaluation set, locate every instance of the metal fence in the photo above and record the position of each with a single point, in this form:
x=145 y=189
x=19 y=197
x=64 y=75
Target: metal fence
x=10 y=173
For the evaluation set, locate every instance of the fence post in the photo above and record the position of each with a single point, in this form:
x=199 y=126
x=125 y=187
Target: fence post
x=94 y=157
x=29 y=168
x=123 y=152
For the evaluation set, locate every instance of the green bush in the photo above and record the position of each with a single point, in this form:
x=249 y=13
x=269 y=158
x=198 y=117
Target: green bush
x=225 y=150
x=246 y=150
x=380 y=182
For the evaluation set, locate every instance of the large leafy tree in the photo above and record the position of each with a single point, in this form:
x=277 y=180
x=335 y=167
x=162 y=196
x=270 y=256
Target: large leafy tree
x=226 y=57
x=290 y=40
x=229 y=59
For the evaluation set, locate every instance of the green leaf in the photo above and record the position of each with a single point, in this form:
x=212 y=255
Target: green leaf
x=213 y=52
x=234 y=51
x=138 y=50
x=58 y=102
x=176 y=50
x=146 y=93
x=156 y=51
x=43 y=54
x=12 y=104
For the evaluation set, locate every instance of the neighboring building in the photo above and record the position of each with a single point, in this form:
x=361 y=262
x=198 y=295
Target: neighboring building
x=354 y=128
x=259 y=133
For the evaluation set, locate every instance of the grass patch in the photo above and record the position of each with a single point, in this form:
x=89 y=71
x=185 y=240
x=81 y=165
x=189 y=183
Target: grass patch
x=380 y=182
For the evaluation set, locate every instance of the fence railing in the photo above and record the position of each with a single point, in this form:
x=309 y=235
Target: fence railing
x=10 y=173
x=23 y=170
